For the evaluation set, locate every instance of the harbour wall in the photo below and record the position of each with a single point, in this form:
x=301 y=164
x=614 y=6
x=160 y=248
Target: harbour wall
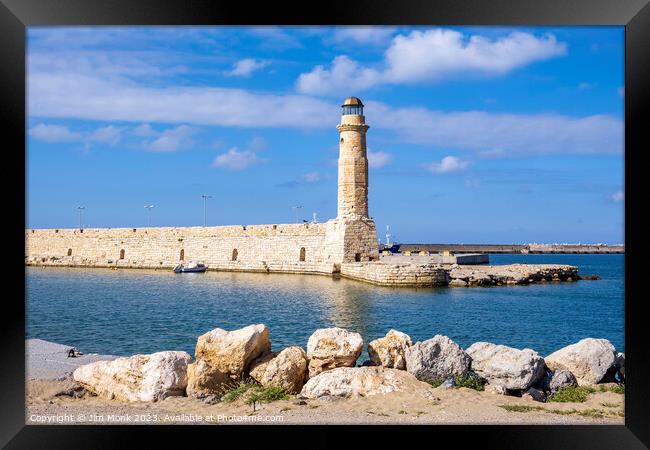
x=408 y=274
x=292 y=248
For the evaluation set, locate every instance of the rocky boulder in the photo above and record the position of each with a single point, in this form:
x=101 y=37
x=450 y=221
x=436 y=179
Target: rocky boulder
x=554 y=381
x=286 y=369
x=506 y=366
x=438 y=358
x=390 y=351
x=588 y=360
x=329 y=348
x=346 y=382
x=534 y=394
x=137 y=378
x=223 y=356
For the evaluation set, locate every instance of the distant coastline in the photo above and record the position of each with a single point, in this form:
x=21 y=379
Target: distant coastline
x=507 y=248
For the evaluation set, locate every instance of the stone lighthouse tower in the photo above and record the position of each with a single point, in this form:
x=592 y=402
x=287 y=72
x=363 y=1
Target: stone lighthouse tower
x=353 y=161
x=355 y=226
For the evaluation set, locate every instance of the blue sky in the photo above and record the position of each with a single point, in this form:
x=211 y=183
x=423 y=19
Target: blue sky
x=477 y=134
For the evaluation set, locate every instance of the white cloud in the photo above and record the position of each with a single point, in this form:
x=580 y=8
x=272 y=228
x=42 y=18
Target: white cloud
x=144 y=130
x=106 y=135
x=235 y=159
x=585 y=86
x=621 y=91
x=501 y=134
x=245 y=67
x=312 y=177
x=448 y=164
x=172 y=139
x=275 y=37
x=345 y=75
x=378 y=159
x=618 y=197
x=427 y=56
x=362 y=34
x=54 y=133
x=109 y=135
x=72 y=96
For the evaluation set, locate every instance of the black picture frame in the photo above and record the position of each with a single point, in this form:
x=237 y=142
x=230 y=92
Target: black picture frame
x=16 y=15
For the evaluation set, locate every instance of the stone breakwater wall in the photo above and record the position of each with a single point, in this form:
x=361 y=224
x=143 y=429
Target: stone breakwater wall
x=348 y=247
x=329 y=367
x=387 y=274
x=460 y=276
x=299 y=248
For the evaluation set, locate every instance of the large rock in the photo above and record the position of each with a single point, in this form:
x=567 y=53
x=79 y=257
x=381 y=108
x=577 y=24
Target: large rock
x=137 y=378
x=223 y=356
x=554 y=381
x=286 y=369
x=438 y=358
x=589 y=360
x=390 y=351
x=363 y=381
x=329 y=348
x=506 y=366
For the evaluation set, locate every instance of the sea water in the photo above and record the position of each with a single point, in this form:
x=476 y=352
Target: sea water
x=127 y=311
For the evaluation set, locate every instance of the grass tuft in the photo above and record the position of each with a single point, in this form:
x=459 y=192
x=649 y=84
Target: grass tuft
x=519 y=408
x=437 y=382
x=572 y=394
x=237 y=391
x=254 y=393
x=618 y=389
x=471 y=382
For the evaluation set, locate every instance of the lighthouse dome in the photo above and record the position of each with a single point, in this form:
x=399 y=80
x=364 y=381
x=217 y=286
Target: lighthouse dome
x=352 y=106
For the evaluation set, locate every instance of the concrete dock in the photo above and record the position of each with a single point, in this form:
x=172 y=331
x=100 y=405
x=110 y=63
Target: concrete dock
x=436 y=258
x=49 y=361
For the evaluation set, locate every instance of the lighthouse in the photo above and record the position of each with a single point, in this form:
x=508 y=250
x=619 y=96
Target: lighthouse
x=353 y=161
x=355 y=231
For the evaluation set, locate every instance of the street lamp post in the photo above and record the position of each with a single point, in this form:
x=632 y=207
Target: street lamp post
x=205 y=197
x=148 y=207
x=80 y=208
x=295 y=211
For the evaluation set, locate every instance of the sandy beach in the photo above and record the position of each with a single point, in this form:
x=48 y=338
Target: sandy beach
x=52 y=399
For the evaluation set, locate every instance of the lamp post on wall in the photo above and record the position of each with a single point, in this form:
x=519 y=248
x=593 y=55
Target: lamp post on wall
x=148 y=207
x=295 y=211
x=80 y=208
x=205 y=197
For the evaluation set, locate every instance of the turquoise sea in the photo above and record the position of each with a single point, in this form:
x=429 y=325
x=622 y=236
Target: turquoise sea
x=142 y=311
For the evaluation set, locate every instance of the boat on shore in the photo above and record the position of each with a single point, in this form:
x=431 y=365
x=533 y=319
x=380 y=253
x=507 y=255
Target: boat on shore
x=192 y=267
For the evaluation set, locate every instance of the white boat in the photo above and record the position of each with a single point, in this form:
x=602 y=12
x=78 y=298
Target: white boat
x=191 y=267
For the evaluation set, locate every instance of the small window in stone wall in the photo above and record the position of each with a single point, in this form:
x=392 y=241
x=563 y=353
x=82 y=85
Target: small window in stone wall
x=357 y=257
x=302 y=253
x=69 y=252
x=122 y=254
x=234 y=254
x=182 y=254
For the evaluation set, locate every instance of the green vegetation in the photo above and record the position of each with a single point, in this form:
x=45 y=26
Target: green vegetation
x=594 y=413
x=572 y=394
x=436 y=382
x=238 y=390
x=519 y=408
x=471 y=382
x=255 y=393
x=610 y=405
x=618 y=389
